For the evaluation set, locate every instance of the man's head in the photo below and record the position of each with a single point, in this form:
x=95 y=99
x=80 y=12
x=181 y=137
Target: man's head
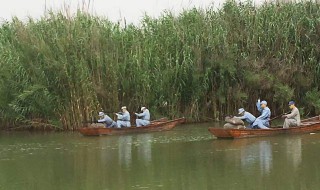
x=291 y=104
x=124 y=108
x=143 y=108
x=101 y=114
x=263 y=104
x=241 y=111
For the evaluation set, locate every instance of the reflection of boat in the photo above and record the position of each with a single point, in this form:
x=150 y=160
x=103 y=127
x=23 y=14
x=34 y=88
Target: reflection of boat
x=307 y=126
x=99 y=129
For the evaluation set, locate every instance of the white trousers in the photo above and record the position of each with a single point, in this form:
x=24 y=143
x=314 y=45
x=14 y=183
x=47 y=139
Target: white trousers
x=141 y=122
x=289 y=123
x=123 y=124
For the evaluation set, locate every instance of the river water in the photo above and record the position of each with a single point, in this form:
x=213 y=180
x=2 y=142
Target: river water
x=188 y=157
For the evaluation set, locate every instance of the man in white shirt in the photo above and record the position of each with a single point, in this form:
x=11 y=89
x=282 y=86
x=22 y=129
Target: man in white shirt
x=123 y=118
x=144 y=117
x=292 y=119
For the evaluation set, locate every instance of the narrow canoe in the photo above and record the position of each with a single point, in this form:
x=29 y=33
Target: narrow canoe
x=99 y=129
x=307 y=126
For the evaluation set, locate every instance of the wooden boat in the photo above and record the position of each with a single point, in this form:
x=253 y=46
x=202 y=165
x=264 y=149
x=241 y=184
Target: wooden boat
x=307 y=126
x=159 y=125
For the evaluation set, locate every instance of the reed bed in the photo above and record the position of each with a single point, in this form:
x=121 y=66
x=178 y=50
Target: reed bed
x=203 y=63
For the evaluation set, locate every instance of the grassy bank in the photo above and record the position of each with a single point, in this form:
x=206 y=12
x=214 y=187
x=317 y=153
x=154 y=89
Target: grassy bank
x=61 y=70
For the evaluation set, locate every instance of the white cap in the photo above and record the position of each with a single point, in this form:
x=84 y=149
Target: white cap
x=240 y=110
x=101 y=114
x=124 y=107
x=142 y=108
x=264 y=102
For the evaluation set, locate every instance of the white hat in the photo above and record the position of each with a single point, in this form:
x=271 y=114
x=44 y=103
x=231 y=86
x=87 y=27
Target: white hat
x=142 y=108
x=124 y=107
x=101 y=114
x=240 y=110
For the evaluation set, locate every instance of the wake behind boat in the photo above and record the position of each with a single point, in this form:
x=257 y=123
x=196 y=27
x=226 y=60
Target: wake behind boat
x=307 y=126
x=159 y=125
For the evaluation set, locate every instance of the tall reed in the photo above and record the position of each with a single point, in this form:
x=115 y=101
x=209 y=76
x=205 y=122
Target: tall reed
x=204 y=63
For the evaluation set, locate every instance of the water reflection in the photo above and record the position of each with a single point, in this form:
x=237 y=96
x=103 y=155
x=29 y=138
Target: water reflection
x=166 y=160
x=260 y=151
x=265 y=156
x=125 y=148
x=293 y=147
x=129 y=146
x=144 y=148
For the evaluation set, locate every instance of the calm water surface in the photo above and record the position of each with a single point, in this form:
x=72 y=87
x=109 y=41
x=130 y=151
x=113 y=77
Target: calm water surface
x=188 y=157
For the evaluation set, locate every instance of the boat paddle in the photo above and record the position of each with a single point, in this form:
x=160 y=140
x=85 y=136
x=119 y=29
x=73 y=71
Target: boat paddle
x=276 y=117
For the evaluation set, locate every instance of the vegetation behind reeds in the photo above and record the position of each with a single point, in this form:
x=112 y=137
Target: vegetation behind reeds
x=60 y=70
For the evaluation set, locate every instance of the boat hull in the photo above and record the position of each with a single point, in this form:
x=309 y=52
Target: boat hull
x=99 y=129
x=307 y=126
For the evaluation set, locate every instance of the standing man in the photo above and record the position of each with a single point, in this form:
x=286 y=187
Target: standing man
x=123 y=118
x=104 y=118
x=292 y=119
x=248 y=117
x=145 y=117
x=262 y=121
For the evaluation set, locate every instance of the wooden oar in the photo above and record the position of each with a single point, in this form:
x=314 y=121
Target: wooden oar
x=279 y=116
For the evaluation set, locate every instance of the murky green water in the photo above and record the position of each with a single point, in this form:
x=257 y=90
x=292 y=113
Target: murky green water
x=187 y=157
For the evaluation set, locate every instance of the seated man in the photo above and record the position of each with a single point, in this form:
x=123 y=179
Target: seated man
x=248 y=117
x=262 y=121
x=123 y=118
x=145 y=117
x=104 y=118
x=292 y=119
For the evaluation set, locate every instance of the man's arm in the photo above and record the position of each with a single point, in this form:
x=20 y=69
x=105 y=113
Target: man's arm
x=126 y=116
x=140 y=114
x=242 y=117
x=293 y=114
x=102 y=120
x=264 y=115
x=259 y=105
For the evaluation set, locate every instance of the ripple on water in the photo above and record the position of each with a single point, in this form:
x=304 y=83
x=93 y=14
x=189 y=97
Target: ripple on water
x=6 y=159
x=140 y=187
x=189 y=138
